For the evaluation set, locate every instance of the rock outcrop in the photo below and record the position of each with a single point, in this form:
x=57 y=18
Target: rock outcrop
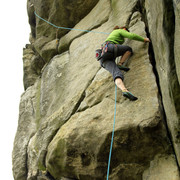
x=66 y=112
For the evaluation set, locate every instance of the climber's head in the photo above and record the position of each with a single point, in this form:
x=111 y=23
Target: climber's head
x=116 y=27
x=123 y=27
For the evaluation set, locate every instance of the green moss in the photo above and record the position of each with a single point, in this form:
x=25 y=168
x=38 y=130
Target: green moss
x=63 y=47
x=113 y=4
x=56 y=159
x=41 y=167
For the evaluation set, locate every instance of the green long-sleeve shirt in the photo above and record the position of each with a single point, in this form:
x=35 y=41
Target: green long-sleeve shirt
x=117 y=36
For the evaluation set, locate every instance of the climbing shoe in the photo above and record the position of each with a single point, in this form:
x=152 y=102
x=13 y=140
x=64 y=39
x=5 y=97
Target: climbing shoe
x=129 y=95
x=123 y=68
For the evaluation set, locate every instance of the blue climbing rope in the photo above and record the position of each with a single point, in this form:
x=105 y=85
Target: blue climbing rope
x=59 y=27
x=109 y=162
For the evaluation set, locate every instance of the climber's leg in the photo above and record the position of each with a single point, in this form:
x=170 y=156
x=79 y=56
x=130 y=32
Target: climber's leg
x=119 y=83
x=112 y=67
x=125 y=56
x=125 y=92
x=125 y=52
x=118 y=77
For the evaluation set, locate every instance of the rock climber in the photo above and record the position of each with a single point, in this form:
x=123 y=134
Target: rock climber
x=113 y=48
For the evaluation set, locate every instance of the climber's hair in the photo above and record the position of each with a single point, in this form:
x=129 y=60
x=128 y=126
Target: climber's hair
x=123 y=27
x=116 y=27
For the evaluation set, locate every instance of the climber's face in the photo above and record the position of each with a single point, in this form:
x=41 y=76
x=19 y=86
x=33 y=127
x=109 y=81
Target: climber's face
x=126 y=29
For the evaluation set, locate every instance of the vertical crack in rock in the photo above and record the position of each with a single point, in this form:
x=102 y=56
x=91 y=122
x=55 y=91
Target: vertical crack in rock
x=137 y=7
x=169 y=30
x=169 y=27
x=140 y=7
x=83 y=95
x=169 y=18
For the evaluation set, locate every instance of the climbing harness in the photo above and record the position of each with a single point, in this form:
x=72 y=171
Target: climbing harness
x=98 y=54
x=101 y=53
x=110 y=152
x=104 y=48
x=59 y=27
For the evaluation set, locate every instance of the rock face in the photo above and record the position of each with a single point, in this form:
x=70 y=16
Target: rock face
x=167 y=60
x=67 y=109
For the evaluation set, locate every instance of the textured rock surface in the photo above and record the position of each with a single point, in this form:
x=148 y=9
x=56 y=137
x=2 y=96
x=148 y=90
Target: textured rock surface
x=32 y=65
x=67 y=109
x=26 y=129
x=99 y=14
x=176 y=36
x=160 y=165
x=163 y=35
x=57 y=12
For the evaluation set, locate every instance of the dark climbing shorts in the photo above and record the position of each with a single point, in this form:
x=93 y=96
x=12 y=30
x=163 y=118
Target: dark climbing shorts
x=108 y=59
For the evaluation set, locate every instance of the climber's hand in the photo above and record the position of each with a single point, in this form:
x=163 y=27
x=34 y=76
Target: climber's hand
x=147 y=40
